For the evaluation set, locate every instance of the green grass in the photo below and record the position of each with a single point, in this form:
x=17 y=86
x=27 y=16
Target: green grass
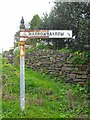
x=0 y=85
x=45 y=97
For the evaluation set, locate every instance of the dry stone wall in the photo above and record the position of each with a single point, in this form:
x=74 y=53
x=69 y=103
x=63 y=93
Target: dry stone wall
x=58 y=64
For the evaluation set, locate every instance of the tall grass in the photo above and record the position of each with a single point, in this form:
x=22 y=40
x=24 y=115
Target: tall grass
x=45 y=97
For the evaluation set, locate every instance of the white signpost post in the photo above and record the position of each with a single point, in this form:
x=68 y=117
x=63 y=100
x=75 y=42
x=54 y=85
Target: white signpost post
x=24 y=34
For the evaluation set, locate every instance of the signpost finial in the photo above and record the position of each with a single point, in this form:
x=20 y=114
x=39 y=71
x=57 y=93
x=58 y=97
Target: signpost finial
x=22 y=26
x=22 y=20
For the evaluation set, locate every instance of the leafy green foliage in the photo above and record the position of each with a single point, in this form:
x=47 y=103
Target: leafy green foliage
x=35 y=23
x=45 y=97
x=73 y=16
x=65 y=49
x=80 y=58
x=17 y=57
x=42 y=46
x=38 y=47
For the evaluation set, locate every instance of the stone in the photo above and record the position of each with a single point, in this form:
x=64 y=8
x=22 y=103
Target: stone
x=79 y=80
x=84 y=76
x=58 y=68
x=68 y=69
x=63 y=68
x=75 y=69
x=69 y=80
x=88 y=75
x=52 y=59
x=68 y=65
x=58 y=64
x=80 y=72
x=50 y=70
x=60 y=73
x=81 y=76
x=82 y=67
x=73 y=76
x=44 y=57
x=39 y=63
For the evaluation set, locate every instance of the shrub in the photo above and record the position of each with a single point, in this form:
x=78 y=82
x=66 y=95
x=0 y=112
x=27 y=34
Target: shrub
x=80 y=58
x=65 y=49
x=42 y=46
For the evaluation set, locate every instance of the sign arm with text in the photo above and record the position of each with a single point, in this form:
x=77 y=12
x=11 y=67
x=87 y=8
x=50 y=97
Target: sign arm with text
x=45 y=34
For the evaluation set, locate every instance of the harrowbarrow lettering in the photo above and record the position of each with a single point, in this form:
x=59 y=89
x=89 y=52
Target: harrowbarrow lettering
x=46 y=34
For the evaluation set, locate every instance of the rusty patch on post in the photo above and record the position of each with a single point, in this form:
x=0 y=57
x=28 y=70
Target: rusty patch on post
x=22 y=43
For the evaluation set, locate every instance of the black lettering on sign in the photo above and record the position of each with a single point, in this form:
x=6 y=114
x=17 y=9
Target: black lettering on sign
x=60 y=33
x=55 y=33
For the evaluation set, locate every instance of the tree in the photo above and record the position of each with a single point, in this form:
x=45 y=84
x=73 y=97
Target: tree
x=73 y=16
x=82 y=41
x=16 y=39
x=35 y=23
x=46 y=25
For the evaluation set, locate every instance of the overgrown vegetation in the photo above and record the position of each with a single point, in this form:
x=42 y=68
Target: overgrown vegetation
x=0 y=85
x=73 y=16
x=46 y=97
x=80 y=58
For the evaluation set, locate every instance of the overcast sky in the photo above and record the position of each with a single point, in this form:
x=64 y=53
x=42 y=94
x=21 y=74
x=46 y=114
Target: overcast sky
x=11 y=12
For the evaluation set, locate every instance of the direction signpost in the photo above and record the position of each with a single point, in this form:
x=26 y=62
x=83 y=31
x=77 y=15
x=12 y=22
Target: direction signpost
x=46 y=34
x=24 y=34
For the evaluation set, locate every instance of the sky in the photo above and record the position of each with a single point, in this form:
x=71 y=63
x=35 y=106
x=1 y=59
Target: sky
x=11 y=12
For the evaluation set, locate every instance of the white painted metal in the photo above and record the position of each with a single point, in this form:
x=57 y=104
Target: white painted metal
x=60 y=33
x=45 y=34
x=22 y=78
